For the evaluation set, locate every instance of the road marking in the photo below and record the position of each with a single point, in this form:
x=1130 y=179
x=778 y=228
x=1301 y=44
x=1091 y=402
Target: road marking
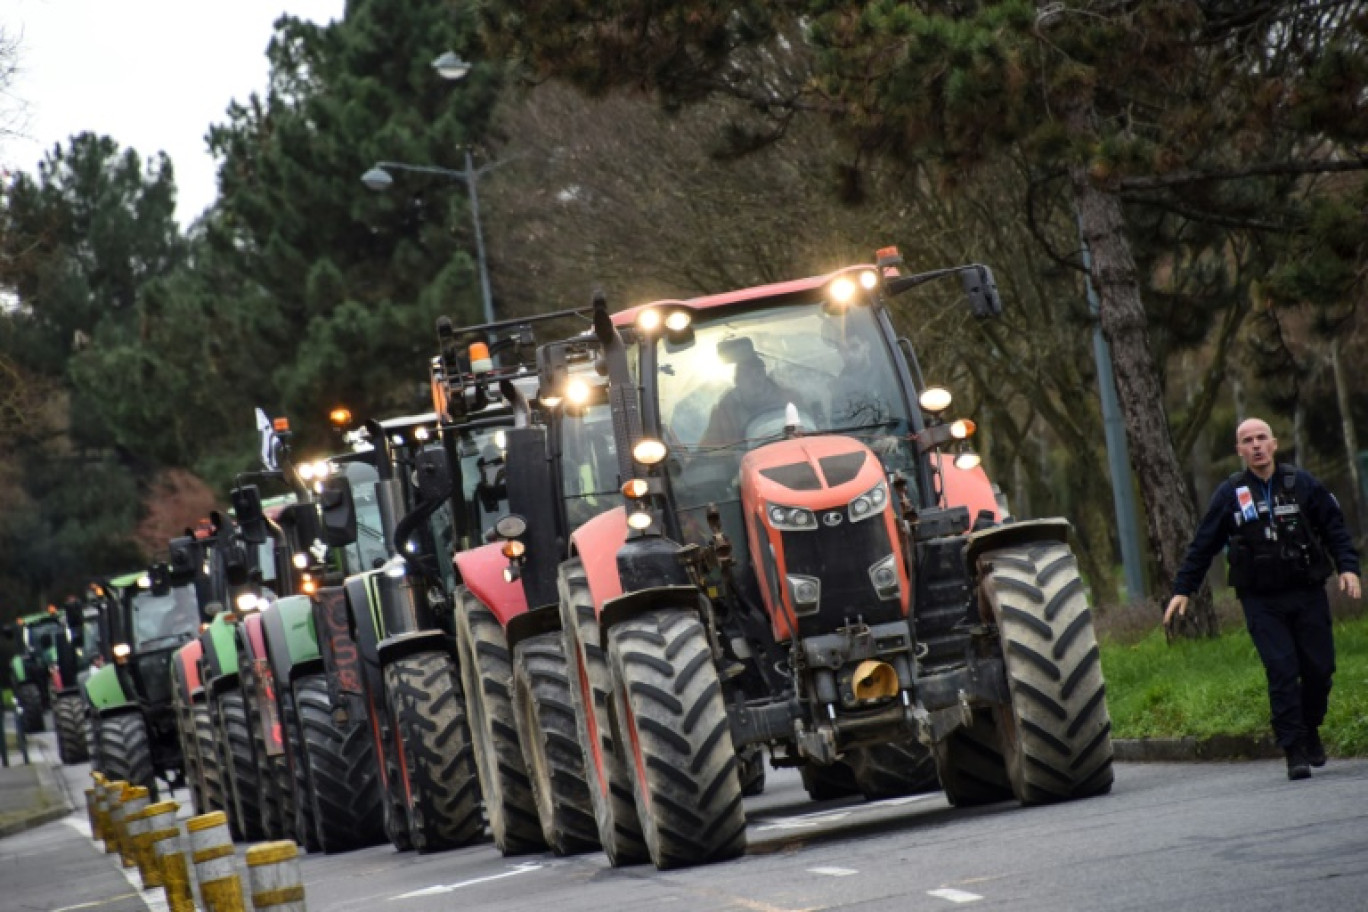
x=154 y=898
x=97 y=903
x=834 y=872
x=954 y=896
x=447 y=888
x=816 y=818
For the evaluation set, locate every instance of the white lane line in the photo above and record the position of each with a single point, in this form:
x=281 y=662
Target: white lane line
x=447 y=888
x=833 y=872
x=954 y=896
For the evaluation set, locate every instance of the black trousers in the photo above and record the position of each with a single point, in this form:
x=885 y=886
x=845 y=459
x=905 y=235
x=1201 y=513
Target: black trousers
x=1292 y=632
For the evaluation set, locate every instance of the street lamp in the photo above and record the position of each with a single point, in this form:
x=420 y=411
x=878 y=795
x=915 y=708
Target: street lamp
x=379 y=178
x=451 y=66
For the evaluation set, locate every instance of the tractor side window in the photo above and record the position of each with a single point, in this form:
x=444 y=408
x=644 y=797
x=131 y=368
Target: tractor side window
x=589 y=473
x=161 y=620
x=370 y=534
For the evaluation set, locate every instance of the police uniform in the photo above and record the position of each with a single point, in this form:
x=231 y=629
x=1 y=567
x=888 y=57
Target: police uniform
x=1281 y=535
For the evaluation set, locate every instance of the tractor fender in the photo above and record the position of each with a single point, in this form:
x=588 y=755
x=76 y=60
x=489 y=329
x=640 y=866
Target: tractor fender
x=363 y=610
x=221 y=647
x=481 y=570
x=404 y=645
x=543 y=619
x=597 y=543
x=55 y=674
x=17 y=673
x=1018 y=533
x=185 y=669
x=969 y=488
x=291 y=640
x=253 y=639
x=633 y=604
x=105 y=692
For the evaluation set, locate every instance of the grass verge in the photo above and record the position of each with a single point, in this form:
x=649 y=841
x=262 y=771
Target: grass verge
x=1199 y=688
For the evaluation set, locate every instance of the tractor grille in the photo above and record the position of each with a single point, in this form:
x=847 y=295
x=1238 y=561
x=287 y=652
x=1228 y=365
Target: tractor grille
x=840 y=556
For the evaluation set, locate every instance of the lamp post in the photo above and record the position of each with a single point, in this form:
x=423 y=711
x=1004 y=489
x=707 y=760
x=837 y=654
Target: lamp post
x=379 y=178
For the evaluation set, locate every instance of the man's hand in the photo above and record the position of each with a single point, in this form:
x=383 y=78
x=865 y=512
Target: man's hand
x=1177 y=604
x=1350 y=586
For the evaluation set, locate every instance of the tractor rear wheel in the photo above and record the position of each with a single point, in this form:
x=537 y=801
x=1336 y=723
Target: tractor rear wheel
x=487 y=679
x=244 y=784
x=305 y=830
x=29 y=697
x=126 y=752
x=344 y=793
x=610 y=788
x=210 y=768
x=969 y=761
x=827 y=783
x=1056 y=733
x=673 y=720
x=893 y=769
x=68 y=711
x=554 y=761
x=438 y=759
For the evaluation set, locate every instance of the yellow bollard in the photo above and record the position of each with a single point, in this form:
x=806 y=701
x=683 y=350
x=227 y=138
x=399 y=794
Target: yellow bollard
x=211 y=850
x=170 y=860
x=273 y=871
x=135 y=823
x=135 y=798
x=153 y=819
x=112 y=791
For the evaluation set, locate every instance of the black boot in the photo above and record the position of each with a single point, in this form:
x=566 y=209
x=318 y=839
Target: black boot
x=1315 y=750
x=1298 y=767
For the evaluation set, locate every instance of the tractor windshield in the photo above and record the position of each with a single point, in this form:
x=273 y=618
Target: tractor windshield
x=368 y=551
x=589 y=469
x=484 y=487
x=163 y=620
x=745 y=375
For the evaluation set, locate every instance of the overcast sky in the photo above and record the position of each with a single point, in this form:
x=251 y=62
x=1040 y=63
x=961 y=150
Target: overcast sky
x=152 y=74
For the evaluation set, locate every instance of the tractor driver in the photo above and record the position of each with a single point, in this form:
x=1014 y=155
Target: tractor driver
x=754 y=393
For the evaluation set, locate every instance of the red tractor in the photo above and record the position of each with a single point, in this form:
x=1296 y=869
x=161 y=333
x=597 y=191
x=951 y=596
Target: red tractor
x=811 y=559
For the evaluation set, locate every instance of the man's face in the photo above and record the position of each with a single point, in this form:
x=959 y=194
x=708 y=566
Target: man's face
x=1255 y=443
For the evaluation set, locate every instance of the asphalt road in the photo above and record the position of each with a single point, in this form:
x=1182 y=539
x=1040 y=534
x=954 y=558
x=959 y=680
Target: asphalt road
x=1197 y=837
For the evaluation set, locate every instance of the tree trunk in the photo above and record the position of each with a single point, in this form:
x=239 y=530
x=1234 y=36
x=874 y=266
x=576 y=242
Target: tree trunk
x=1347 y=423
x=1169 y=513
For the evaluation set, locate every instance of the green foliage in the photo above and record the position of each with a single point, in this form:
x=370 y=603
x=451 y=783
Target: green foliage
x=1201 y=688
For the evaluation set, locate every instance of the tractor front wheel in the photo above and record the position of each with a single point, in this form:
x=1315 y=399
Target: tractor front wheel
x=210 y=768
x=487 y=678
x=344 y=790
x=126 y=752
x=673 y=720
x=438 y=759
x=1056 y=732
x=244 y=783
x=29 y=697
x=971 y=766
x=68 y=711
x=555 y=763
x=610 y=788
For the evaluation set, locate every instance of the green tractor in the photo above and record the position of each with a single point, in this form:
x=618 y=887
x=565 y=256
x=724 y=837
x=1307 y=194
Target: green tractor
x=150 y=615
x=81 y=648
x=39 y=637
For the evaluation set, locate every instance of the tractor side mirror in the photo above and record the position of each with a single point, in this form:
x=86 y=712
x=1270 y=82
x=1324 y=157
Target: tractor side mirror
x=433 y=474
x=250 y=516
x=339 y=512
x=184 y=559
x=981 y=289
x=160 y=575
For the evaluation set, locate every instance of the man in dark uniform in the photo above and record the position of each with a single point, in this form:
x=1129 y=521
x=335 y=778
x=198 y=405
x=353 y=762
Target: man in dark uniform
x=753 y=394
x=1283 y=528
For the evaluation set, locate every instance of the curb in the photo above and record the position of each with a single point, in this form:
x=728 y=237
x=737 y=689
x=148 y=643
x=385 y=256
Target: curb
x=47 y=815
x=1191 y=750
x=52 y=784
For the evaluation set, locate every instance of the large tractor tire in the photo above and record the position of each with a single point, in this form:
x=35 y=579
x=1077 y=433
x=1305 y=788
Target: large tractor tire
x=436 y=752
x=126 y=752
x=893 y=769
x=277 y=808
x=971 y=766
x=827 y=783
x=1056 y=733
x=207 y=751
x=193 y=769
x=345 y=793
x=92 y=740
x=68 y=712
x=673 y=721
x=244 y=785
x=551 y=750
x=305 y=829
x=29 y=697
x=487 y=679
x=610 y=786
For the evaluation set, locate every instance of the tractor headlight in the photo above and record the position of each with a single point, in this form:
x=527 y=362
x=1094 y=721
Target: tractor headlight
x=577 y=392
x=649 y=452
x=678 y=321
x=806 y=592
x=869 y=503
x=791 y=519
x=884 y=575
x=639 y=520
